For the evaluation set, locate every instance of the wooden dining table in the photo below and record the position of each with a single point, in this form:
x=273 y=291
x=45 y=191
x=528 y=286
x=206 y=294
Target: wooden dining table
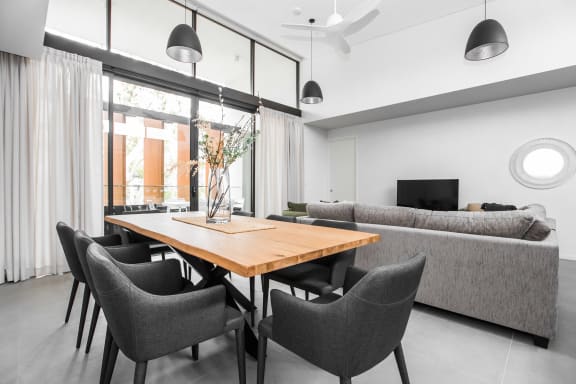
x=256 y=247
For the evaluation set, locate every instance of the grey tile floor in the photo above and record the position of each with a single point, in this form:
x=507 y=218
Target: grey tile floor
x=37 y=347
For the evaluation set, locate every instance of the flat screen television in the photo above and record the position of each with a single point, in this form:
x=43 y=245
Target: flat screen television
x=437 y=195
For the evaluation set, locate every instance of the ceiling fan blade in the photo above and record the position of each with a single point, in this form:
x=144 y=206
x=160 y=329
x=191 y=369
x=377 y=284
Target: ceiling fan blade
x=305 y=27
x=305 y=38
x=359 y=12
x=361 y=24
x=338 y=42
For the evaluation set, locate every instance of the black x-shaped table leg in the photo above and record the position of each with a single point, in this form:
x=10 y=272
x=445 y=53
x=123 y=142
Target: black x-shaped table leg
x=213 y=275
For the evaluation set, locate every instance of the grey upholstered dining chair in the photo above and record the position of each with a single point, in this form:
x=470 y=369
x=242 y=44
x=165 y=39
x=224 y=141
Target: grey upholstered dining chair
x=136 y=253
x=347 y=335
x=128 y=254
x=132 y=301
x=243 y=213
x=287 y=219
x=319 y=276
x=66 y=236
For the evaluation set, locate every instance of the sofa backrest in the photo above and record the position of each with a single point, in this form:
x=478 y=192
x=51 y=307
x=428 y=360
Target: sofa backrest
x=510 y=224
x=529 y=222
x=385 y=215
x=343 y=211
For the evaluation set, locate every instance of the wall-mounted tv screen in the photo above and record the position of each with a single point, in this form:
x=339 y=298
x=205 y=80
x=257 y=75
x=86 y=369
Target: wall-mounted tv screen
x=437 y=195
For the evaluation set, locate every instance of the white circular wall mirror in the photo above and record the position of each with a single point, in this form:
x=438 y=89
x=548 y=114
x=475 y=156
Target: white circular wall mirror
x=543 y=163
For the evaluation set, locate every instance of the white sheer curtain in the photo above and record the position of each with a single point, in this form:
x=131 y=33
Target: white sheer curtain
x=16 y=261
x=279 y=152
x=52 y=164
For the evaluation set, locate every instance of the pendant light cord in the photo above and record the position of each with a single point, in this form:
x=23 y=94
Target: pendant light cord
x=185 y=8
x=485 y=10
x=310 y=54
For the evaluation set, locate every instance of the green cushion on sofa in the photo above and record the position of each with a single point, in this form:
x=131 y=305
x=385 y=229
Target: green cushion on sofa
x=298 y=207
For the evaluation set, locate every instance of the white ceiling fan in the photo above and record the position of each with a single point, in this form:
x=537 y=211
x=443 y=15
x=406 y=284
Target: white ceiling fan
x=338 y=27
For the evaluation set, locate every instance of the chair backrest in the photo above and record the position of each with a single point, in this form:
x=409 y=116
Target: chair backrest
x=66 y=235
x=351 y=226
x=81 y=242
x=378 y=308
x=243 y=213
x=288 y=219
x=345 y=258
x=116 y=294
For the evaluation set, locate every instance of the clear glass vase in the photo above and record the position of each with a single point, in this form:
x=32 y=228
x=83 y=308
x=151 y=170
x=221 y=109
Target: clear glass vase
x=219 y=206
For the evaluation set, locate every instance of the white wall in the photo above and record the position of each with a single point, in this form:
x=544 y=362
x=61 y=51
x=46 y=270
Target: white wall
x=473 y=144
x=428 y=59
x=316 y=164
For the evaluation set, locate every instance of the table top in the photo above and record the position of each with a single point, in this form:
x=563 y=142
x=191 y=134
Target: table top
x=249 y=253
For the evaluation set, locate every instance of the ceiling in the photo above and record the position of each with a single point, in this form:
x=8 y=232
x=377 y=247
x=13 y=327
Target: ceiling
x=22 y=27
x=515 y=87
x=263 y=17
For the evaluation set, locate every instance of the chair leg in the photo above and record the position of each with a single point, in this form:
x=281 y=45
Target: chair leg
x=140 y=372
x=345 y=380
x=265 y=285
x=262 y=343
x=95 y=314
x=71 y=300
x=307 y=295
x=252 y=299
x=163 y=256
x=241 y=355
x=195 y=352
x=105 y=355
x=85 y=302
x=111 y=362
x=401 y=362
x=293 y=291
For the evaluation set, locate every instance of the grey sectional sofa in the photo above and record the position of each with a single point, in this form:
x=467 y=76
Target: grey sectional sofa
x=500 y=267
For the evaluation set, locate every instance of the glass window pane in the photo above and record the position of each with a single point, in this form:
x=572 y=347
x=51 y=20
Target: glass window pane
x=82 y=20
x=150 y=164
x=226 y=56
x=151 y=150
x=141 y=29
x=138 y=96
x=275 y=76
x=240 y=170
x=105 y=130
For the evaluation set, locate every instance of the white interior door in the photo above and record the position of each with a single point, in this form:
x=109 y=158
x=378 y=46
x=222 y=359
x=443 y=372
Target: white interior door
x=343 y=169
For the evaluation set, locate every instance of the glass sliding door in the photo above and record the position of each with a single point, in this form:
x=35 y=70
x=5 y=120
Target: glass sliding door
x=149 y=145
x=151 y=149
x=211 y=120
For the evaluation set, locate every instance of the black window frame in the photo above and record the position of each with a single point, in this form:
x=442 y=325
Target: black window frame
x=117 y=66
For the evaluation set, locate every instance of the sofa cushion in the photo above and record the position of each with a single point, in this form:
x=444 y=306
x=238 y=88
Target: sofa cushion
x=541 y=227
x=298 y=207
x=384 y=215
x=510 y=224
x=343 y=211
x=538 y=231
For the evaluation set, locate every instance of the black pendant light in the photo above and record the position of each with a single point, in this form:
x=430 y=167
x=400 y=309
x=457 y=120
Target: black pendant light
x=183 y=43
x=487 y=40
x=311 y=93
